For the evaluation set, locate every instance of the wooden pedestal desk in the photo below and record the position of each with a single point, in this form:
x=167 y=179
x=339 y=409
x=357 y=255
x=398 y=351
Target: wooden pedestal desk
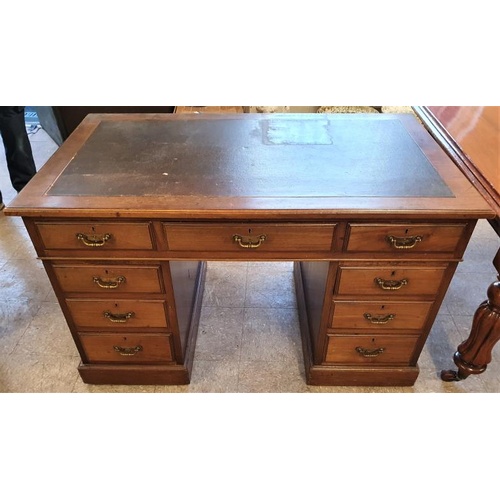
x=373 y=213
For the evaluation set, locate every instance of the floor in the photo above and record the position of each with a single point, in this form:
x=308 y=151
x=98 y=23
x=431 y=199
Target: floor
x=248 y=337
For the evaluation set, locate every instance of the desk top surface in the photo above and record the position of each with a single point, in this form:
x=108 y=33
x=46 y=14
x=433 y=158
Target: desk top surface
x=476 y=131
x=243 y=165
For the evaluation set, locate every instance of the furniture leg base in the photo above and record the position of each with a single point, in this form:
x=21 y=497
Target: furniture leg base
x=464 y=370
x=134 y=375
x=356 y=376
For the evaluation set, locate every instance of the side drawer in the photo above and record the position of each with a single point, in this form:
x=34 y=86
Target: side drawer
x=96 y=235
x=130 y=348
x=380 y=315
x=114 y=314
x=364 y=349
x=390 y=280
x=253 y=238
x=401 y=238
x=75 y=278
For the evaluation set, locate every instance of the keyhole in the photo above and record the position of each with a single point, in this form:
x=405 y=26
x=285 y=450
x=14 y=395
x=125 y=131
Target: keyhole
x=249 y=231
x=382 y=307
x=406 y=231
x=393 y=273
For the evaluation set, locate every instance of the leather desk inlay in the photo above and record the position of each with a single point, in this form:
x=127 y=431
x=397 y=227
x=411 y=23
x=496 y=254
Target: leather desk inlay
x=371 y=210
x=306 y=158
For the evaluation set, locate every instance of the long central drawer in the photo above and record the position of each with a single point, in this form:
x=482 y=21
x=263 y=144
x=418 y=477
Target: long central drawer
x=250 y=239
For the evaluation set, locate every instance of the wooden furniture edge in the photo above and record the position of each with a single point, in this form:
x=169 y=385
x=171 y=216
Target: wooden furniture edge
x=453 y=150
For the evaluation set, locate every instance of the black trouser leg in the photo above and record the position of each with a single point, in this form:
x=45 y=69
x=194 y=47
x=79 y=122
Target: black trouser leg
x=18 y=151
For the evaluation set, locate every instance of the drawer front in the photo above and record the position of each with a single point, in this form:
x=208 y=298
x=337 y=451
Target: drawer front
x=131 y=348
x=108 y=279
x=390 y=281
x=96 y=236
x=380 y=315
x=364 y=349
x=252 y=238
x=403 y=239
x=118 y=314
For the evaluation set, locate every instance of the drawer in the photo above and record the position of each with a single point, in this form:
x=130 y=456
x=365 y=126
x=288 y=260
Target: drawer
x=118 y=314
x=403 y=239
x=250 y=238
x=386 y=280
x=380 y=315
x=108 y=279
x=96 y=235
x=130 y=348
x=365 y=349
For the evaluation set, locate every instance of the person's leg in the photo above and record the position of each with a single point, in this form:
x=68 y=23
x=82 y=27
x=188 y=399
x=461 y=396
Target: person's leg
x=17 y=146
x=2 y=206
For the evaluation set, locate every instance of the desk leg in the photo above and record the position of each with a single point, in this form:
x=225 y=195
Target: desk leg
x=474 y=354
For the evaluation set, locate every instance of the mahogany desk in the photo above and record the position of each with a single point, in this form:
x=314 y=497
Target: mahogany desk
x=471 y=136
x=373 y=213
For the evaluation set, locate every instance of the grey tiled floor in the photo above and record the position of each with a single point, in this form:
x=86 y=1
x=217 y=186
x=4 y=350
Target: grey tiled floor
x=248 y=337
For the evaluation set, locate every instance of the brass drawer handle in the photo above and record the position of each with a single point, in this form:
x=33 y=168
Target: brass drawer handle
x=404 y=242
x=379 y=320
x=118 y=318
x=369 y=353
x=113 y=283
x=249 y=243
x=391 y=284
x=127 y=351
x=93 y=240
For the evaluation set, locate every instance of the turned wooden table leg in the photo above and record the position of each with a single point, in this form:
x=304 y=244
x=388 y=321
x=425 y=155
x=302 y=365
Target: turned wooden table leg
x=474 y=354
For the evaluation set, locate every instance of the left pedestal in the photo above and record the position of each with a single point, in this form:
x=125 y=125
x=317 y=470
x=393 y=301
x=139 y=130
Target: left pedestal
x=132 y=313
x=171 y=354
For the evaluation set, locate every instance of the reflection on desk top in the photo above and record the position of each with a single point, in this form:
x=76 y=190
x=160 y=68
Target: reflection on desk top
x=475 y=130
x=250 y=166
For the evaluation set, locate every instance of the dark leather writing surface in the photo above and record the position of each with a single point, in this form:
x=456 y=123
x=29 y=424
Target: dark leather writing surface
x=260 y=157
